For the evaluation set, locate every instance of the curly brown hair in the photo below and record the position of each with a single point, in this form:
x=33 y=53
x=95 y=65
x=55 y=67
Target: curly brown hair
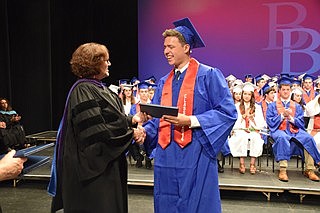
x=87 y=58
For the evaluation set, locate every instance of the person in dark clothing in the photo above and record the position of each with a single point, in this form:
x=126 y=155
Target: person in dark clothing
x=12 y=135
x=89 y=169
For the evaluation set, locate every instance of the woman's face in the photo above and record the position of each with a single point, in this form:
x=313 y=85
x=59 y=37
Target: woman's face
x=3 y=104
x=297 y=97
x=247 y=96
x=237 y=96
x=127 y=92
x=104 y=68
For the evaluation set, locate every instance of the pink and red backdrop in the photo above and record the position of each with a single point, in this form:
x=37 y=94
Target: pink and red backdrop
x=241 y=37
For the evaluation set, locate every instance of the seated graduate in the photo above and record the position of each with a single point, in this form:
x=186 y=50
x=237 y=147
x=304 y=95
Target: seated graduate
x=245 y=135
x=127 y=98
x=260 y=82
x=296 y=96
x=135 y=149
x=313 y=112
x=236 y=93
x=12 y=135
x=309 y=92
x=286 y=123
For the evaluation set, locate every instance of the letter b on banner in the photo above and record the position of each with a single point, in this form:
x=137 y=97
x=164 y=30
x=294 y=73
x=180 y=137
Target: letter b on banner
x=310 y=50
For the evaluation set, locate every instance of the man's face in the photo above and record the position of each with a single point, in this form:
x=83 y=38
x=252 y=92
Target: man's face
x=307 y=84
x=261 y=83
x=270 y=96
x=143 y=93
x=174 y=51
x=285 y=91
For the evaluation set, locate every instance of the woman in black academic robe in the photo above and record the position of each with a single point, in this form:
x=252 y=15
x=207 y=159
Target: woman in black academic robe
x=93 y=137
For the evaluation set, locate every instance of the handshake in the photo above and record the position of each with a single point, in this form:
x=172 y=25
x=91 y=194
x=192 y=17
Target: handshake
x=139 y=133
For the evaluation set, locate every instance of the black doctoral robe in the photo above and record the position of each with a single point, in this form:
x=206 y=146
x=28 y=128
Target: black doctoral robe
x=93 y=174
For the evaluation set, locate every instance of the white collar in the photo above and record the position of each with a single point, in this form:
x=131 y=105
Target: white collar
x=183 y=68
x=288 y=100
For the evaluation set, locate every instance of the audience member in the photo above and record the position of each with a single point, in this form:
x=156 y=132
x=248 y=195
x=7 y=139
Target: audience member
x=309 y=92
x=245 y=135
x=313 y=112
x=127 y=98
x=260 y=82
x=12 y=135
x=135 y=149
x=285 y=121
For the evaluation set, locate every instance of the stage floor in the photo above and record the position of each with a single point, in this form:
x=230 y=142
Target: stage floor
x=264 y=181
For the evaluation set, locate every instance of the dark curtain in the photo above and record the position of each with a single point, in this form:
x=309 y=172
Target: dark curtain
x=37 y=39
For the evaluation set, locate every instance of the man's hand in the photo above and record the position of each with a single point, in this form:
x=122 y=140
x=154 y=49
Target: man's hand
x=286 y=113
x=180 y=120
x=11 y=167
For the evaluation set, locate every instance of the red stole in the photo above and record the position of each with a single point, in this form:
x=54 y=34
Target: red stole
x=246 y=119
x=307 y=98
x=257 y=96
x=316 y=125
x=182 y=135
x=280 y=109
x=264 y=106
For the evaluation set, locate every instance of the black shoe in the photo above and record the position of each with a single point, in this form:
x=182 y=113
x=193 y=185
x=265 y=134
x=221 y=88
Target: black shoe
x=139 y=162
x=148 y=163
x=220 y=168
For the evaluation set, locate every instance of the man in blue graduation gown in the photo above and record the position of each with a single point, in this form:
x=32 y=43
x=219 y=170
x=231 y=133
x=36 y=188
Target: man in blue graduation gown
x=185 y=170
x=285 y=120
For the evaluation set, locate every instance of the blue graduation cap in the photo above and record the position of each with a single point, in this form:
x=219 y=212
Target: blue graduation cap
x=248 y=76
x=134 y=79
x=285 y=75
x=144 y=85
x=153 y=86
x=258 y=78
x=285 y=80
x=151 y=79
x=124 y=81
x=266 y=88
x=307 y=76
x=190 y=34
x=296 y=81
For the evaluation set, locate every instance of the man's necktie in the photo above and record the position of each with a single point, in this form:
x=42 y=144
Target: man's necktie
x=177 y=75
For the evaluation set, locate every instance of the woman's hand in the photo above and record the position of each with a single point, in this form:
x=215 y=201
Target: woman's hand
x=3 y=125
x=15 y=118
